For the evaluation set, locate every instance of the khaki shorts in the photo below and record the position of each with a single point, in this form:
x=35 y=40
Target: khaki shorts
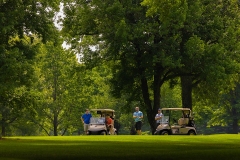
x=85 y=127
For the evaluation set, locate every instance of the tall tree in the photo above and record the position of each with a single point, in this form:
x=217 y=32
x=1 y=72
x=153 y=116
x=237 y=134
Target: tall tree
x=20 y=20
x=56 y=69
x=209 y=44
x=15 y=80
x=130 y=39
x=147 y=42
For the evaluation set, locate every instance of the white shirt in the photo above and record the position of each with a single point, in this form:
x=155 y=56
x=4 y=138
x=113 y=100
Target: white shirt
x=159 y=115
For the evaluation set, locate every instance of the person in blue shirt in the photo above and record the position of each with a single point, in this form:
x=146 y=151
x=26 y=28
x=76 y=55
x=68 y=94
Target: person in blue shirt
x=86 y=120
x=138 y=116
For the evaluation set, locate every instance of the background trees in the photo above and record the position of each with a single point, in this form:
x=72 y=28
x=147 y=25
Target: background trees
x=152 y=42
x=19 y=21
x=57 y=81
x=145 y=53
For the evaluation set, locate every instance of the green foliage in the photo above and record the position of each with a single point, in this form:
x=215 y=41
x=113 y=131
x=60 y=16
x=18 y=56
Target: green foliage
x=172 y=14
x=152 y=42
x=170 y=97
x=21 y=22
x=228 y=112
x=56 y=70
x=26 y=17
x=130 y=49
x=16 y=74
x=126 y=121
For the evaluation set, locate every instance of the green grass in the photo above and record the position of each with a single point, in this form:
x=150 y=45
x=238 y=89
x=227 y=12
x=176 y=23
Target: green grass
x=148 y=147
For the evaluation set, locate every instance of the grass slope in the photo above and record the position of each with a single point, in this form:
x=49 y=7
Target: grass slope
x=199 y=147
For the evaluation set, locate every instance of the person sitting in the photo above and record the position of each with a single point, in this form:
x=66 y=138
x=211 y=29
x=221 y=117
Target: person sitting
x=109 y=124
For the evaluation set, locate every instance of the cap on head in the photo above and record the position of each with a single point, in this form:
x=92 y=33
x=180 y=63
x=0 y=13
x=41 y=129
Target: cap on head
x=159 y=109
x=87 y=110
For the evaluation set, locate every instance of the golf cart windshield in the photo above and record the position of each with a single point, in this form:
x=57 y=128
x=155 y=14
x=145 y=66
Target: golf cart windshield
x=164 y=120
x=175 y=115
x=100 y=120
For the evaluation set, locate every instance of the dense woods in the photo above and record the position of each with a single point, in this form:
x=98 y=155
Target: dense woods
x=149 y=53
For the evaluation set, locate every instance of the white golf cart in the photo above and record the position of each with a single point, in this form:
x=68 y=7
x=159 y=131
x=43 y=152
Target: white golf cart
x=98 y=124
x=176 y=121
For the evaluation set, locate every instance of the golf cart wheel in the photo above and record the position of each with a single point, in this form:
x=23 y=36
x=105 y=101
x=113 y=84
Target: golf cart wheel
x=156 y=133
x=89 y=133
x=191 y=133
x=103 y=133
x=164 y=133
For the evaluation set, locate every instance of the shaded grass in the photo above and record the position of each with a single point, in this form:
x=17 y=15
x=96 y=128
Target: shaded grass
x=122 y=147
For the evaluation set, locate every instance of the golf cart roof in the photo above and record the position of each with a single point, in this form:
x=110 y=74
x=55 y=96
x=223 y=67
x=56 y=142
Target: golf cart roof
x=103 y=110
x=182 y=109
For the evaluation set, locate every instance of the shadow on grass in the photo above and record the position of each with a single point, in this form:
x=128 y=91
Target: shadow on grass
x=121 y=147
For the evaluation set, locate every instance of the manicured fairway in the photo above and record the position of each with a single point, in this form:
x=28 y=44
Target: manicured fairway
x=199 y=147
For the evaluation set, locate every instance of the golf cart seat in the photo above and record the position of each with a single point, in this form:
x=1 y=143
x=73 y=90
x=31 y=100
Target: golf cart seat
x=183 y=121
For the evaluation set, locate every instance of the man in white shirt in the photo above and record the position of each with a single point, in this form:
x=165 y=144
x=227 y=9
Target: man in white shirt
x=158 y=117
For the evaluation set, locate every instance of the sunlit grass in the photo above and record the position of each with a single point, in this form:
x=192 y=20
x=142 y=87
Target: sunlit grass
x=122 y=147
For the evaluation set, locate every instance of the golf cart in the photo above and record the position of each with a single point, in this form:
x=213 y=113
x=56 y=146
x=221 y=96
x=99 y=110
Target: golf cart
x=176 y=121
x=98 y=124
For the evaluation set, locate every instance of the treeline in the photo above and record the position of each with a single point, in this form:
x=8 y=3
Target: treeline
x=149 y=53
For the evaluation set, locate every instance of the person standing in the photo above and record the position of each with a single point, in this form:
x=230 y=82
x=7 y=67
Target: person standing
x=158 y=117
x=138 y=116
x=86 y=120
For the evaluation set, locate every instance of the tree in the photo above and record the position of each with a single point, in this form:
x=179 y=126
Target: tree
x=148 y=43
x=56 y=71
x=130 y=39
x=16 y=78
x=20 y=20
x=26 y=17
x=227 y=112
x=208 y=46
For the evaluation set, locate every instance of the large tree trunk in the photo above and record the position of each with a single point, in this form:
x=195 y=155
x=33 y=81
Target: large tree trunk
x=148 y=105
x=186 y=84
x=151 y=111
